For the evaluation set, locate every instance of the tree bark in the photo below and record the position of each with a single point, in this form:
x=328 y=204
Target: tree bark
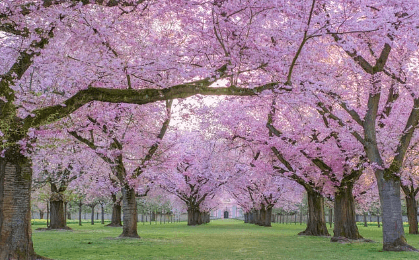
x=57 y=215
x=365 y=219
x=268 y=217
x=412 y=213
x=345 y=217
x=116 y=213
x=129 y=228
x=15 y=214
x=69 y=212
x=41 y=214
x=194 y=216
x=393 y=231
x=92 y=218
x=103 y=214
x=262 y=216
x=316 y=224
x=80 y=204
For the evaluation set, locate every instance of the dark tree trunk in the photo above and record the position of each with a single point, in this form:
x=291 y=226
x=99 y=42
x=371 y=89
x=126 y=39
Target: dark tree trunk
x=330 y=217
x=194 y=216
x=80 y=204
x=316 y=224
x=268 y=217
x=365 y=219
x=103 y=214
x=246 y=217
x=129 y=228
x=93 y=215
x=262 y=216
x=15 y=214
x=47 y=214
x=412 y=213
x=41 y=214
x=57 y=209
x=116 y=213
x=57 y=214
x=345 y=217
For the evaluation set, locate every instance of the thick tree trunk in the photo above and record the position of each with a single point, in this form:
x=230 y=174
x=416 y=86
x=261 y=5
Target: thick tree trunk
x=316 y=224
x=57 y=214
x=194 y=216
x=393 y=231
x=15 y=214
x=41 y=214
x=129 y=228
x=116 y=213
x=268 y=217
x=246 y=217
x=412 y=213
x=345 y=217
x=262 y=216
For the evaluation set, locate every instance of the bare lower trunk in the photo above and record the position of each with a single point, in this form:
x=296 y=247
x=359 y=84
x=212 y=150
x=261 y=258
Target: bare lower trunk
x=252 y=216
x=262 y=216
x=69 y=212
x=80 y=204
x=412 y=214
x=103 y=214
x=92 y=218
x=194 y=216
x=268 y=217
x=15 y=214
x=345 y=222
x=393 y=231
x=316 y=224
x=116 y=213
x=57 y=215
x=365 y=219
x=129 y=228
x=41 y=214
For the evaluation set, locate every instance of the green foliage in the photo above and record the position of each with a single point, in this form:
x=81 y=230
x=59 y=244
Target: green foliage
x=221 y=239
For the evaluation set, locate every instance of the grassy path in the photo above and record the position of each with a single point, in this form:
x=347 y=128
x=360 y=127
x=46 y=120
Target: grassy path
x=221 y=239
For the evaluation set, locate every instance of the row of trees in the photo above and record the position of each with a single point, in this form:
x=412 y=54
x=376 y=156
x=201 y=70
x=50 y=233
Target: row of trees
x=333 y=86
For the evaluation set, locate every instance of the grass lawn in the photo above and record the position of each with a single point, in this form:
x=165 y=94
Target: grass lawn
x=221 y=239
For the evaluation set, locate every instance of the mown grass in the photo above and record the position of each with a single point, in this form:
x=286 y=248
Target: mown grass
x=220 y=239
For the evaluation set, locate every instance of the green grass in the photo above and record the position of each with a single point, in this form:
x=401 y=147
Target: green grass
x=221 y=239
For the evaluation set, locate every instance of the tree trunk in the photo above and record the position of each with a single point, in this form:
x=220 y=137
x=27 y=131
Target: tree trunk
x=330 y=217
x=262 y=216
x=393 y=231
x=193 y=216
x=57 y=214
x=268 y=217
x=365 y=219
x=345 y=217
x=116 y=213
x=129 y=228
x=92 y=219
x=80 y=204
x=69 y=212
x=103 y=214
x=15 y=214
x=316 y=224
x=41 y=214
x=412 y=213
